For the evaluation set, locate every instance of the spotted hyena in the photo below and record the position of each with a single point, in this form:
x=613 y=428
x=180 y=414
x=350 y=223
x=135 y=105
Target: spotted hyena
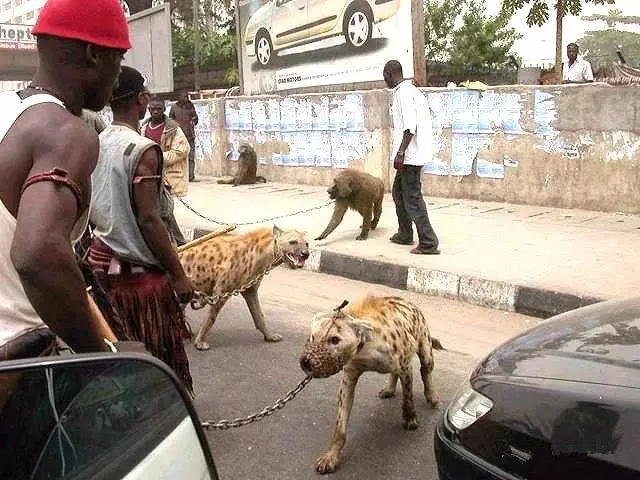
x=380 y=334
x=226 y=262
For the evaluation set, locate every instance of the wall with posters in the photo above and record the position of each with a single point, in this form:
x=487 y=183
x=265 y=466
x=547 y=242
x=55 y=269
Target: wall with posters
x=292 y=44
x=575 y=146
x=570 y=146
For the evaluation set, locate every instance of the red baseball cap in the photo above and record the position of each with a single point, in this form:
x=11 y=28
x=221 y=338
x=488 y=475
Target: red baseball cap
x=100 y=22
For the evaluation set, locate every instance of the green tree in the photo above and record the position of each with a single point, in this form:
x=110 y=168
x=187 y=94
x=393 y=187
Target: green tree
x=603 y=44
x=539 y=13
x=612 y=18
x=216 y=33
x=439 y=21
x=482 y=41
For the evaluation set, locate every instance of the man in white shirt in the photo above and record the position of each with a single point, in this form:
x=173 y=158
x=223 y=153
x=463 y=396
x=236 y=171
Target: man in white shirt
x=412 y=147
x=577 y=70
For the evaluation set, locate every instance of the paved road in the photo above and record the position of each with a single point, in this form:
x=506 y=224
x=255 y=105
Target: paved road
x=241 y=374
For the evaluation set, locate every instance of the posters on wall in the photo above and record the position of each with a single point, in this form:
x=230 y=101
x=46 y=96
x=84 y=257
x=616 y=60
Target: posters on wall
x=289 y=44
x=325 y=132
x=471 y=116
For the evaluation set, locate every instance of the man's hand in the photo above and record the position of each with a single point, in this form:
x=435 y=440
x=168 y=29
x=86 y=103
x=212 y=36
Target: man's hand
x=183 y=288
x=398 y=162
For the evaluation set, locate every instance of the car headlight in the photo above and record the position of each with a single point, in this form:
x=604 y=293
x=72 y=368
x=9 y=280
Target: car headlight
x=467 y=407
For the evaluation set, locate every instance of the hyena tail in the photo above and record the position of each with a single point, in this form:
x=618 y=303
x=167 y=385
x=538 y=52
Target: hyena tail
x=260 y=179
x=436 y=345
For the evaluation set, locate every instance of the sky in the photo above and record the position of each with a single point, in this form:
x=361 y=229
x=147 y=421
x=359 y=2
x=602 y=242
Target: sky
x=537 y=46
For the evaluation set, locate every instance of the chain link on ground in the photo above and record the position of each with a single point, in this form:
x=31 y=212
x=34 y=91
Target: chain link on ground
x=267 y=411
x=266 y=220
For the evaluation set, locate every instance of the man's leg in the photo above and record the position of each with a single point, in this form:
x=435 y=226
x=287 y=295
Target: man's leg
x=166 y=213
x=404 y=236
x=417 y=209
x=192 y=160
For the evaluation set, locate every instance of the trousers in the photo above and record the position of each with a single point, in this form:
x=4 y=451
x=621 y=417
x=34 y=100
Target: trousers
x=411 y=207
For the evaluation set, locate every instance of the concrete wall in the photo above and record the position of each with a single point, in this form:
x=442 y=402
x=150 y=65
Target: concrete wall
x=574 y=146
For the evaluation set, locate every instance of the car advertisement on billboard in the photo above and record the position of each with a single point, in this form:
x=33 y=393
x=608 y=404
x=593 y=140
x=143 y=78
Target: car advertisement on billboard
x=288 y=44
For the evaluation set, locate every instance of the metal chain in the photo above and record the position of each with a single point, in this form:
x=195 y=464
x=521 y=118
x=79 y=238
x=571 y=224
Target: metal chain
x=265 y=412
x=266 y=220
x=201 y=300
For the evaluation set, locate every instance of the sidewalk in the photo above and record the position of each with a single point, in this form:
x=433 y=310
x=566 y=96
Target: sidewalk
x=533 y=260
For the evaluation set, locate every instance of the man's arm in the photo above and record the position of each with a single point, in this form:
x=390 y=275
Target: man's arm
x=179 y=150
x=409 y=124
x=41 y=251
x=146 y=196
x=588 y=73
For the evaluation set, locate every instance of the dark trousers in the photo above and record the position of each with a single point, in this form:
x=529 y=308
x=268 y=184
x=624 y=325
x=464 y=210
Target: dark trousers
x=192 y=160
x=411 y=208
x=166 y=213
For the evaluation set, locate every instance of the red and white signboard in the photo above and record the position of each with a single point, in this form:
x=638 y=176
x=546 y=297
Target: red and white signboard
x=16 y=37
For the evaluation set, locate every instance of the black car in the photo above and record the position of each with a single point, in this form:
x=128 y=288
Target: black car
x=560 y=401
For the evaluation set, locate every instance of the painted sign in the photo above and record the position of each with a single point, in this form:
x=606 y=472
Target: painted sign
x=16 y=37
x=287 y=44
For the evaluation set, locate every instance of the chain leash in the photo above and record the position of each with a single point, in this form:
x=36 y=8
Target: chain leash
x=201 y=300
x=267 y=411
x=266 y=220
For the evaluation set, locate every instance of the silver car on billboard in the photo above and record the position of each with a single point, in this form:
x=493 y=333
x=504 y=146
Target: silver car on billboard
x=281 y=24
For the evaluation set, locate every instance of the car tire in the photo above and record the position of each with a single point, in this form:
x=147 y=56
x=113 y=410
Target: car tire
x=264 y=49
x=358 y=27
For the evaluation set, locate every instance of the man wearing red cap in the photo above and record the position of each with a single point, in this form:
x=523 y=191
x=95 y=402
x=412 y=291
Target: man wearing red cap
x=47 y=155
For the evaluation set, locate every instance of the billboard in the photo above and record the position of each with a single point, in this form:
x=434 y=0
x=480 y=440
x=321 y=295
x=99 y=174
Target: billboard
x=287 y=44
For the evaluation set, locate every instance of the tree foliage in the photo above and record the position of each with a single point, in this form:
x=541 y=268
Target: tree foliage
x=539 y=10
x=603 y=44
x=612 y=18
x=439 y=22
x=482 y=41
x=215 y=49
x=217 y=36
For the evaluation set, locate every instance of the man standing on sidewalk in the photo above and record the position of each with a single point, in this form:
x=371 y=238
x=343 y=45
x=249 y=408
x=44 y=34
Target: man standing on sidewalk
x=132 y=254
x=411 y=149
x=175 y=150
x=184 y=112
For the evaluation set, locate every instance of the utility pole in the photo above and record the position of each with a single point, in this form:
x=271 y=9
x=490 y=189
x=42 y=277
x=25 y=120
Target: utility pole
x=196 y=45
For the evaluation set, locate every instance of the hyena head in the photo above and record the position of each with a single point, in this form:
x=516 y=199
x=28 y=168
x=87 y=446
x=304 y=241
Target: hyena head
x=292 y=245
x=334 y=339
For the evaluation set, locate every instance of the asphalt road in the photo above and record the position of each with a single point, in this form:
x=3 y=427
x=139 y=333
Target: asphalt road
x=242 y=374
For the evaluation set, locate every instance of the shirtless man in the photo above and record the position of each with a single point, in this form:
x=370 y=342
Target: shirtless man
x=47 y=155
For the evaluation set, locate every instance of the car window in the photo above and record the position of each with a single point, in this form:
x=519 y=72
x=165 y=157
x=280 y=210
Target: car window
x=73 y=425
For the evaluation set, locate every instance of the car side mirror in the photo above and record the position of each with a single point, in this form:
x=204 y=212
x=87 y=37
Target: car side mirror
x=99 y=416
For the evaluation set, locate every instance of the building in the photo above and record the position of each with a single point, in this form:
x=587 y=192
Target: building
x=22 y=12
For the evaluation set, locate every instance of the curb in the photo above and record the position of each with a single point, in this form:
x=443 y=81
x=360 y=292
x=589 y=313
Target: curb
x=535 y=302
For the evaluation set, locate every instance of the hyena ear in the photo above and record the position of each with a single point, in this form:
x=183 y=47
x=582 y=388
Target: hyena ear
x=277 y=231
x=363 y=330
